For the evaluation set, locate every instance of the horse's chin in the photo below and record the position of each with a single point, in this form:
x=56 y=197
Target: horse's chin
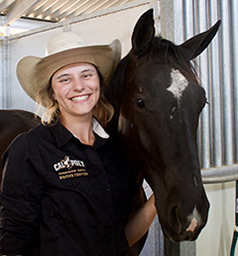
x=183 y=236
x=178 y=228
x=189 y=233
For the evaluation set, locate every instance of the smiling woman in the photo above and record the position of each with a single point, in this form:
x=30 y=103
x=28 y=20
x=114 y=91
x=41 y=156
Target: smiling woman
x=62 y=178
x=76 y=89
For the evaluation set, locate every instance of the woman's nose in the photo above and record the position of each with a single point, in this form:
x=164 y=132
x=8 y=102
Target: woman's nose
x=78 y=84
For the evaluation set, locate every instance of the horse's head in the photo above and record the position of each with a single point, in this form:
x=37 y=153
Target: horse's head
x=159 y=100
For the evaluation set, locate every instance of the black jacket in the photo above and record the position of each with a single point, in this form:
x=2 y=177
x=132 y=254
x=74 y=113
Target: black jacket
x=60 y=197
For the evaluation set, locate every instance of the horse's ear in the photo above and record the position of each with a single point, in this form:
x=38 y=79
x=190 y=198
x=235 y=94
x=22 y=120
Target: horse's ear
x=143 y=32
x=199 y=43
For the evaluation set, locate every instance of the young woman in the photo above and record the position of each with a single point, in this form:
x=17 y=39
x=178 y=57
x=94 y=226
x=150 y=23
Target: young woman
x=67 y=189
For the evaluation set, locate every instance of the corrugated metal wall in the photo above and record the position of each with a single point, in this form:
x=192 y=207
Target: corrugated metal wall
x=218 y=73
x=218 y=68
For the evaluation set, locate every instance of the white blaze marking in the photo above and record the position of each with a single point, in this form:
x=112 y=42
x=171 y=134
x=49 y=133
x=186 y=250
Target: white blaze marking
x=193 y=225
x=194 y=219
x=179 y=83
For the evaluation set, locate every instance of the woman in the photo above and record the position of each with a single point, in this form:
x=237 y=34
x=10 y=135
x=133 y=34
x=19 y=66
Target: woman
x=66 y=188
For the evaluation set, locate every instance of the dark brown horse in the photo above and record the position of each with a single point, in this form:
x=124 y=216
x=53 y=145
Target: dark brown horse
x=157 y=101
x=12 y=123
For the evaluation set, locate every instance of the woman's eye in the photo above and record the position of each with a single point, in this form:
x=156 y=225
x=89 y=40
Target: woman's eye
x=88 y=75
x=65 y=80
x=140 y=103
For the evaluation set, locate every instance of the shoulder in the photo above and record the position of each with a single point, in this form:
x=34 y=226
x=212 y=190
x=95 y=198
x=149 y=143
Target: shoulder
x=30 y=136
x=25 y=142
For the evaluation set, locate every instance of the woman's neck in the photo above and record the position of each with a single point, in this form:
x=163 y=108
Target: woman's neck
x=81 y=127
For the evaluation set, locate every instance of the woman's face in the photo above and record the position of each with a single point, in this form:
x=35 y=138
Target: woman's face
x=76 y=88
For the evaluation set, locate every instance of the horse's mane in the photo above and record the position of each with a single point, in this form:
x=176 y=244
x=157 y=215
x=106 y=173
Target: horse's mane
x=114 y=91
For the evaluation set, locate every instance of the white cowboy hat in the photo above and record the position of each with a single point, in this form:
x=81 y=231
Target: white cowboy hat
x=34 y=73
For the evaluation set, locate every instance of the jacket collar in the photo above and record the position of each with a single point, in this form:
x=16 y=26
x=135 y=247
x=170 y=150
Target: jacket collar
x=62 y=135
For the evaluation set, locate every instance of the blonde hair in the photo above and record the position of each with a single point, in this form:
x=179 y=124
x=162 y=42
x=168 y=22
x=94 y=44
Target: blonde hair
x=103 y=110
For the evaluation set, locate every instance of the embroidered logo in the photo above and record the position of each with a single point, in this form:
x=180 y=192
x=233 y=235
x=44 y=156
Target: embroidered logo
x=68 y=168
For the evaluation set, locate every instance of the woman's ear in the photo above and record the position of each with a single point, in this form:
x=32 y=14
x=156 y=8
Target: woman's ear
x=54 y=96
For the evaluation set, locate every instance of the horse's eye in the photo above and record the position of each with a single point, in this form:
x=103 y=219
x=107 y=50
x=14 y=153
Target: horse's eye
x=140 y=103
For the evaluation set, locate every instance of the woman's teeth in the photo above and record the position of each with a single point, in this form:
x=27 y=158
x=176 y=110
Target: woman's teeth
x=80 y=98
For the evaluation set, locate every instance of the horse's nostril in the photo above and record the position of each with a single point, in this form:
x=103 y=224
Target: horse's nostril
x=175 y=222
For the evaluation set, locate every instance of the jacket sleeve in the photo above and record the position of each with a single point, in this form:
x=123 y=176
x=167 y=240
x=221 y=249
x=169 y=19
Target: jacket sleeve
x=20 y=195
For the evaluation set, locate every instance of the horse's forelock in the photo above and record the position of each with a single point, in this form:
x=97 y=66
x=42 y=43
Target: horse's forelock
x=164 y=51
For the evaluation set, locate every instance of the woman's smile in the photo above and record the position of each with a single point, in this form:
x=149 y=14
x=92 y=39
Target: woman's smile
x=80 y=98
x=76 y=88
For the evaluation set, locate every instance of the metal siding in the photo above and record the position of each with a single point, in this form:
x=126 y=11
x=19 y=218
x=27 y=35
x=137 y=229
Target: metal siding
x=218 y=126
x=234 y=43
x=217 y=70
x=6 y=78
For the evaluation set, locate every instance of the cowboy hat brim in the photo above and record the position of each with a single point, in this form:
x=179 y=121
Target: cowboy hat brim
x=34 y=73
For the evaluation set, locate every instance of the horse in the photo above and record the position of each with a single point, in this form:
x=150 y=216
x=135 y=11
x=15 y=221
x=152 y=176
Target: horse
x=12 y=123
x=157 y=101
